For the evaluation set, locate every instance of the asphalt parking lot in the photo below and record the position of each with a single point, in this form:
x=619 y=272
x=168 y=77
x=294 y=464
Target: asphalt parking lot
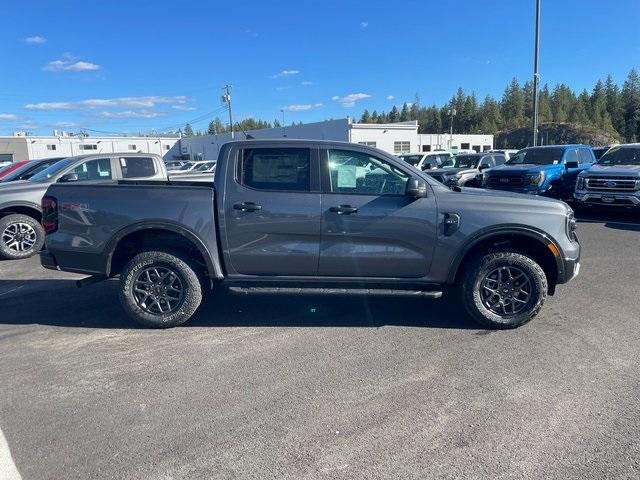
x=306 y=387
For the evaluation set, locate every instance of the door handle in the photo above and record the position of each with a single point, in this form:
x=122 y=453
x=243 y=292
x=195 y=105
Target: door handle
x=247 y=207
x=344 y=209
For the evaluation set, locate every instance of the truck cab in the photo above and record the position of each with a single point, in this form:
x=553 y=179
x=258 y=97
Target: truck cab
x=549 y=170
x=613 y=181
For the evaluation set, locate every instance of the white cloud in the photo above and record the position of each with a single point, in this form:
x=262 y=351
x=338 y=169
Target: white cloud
x=364 y=24
x=351 y=99
x=301 y=107
x=306 y=83
x=285 y=73
x=35 y=40
x=283 y=88
x=69 y=63
x=136 y=102
x=390 y=97
x=183 y=108
x=8 y=117
x=64 y=125
x=132 y=114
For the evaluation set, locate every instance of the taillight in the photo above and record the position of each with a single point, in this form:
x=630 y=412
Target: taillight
x=49 y=214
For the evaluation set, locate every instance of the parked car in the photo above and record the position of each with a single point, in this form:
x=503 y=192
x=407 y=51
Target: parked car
x=317 y=217
x=508 y=152
x=174 y=164
x=599 y=151
x=186 y=167
x=426 y=160
x=613 y=181
x=26 y=170
x=10 y=167
x=204 y=167
x=466 y=169
x=550 y=170
x=22 y=235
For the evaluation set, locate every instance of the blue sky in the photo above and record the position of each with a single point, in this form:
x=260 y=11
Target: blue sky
x=128 y=66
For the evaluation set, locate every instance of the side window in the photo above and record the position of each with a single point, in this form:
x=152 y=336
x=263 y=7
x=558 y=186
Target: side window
x=360 y=173
x=137 y=167
x=499 y=159
x=486 y=161
x=93 y=170
x=280 y=169
x=572 y=156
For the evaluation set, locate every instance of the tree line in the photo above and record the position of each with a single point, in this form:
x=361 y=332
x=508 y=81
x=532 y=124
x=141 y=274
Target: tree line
x=608 y=107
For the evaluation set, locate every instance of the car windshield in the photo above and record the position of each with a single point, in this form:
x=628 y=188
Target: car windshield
x=537 y=156
x=50 y=171
x=411 y=159
x=204 y=166
x=621 y=156
x=186 y=166
x=466 y=161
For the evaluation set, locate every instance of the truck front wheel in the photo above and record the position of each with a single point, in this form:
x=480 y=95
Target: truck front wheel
x=504 y=289
x=21 y=236
x=160 y=289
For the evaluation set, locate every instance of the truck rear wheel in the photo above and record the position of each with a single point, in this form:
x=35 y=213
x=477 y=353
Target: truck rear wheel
x=504 y=289
x=160 y=289
x=21 y=236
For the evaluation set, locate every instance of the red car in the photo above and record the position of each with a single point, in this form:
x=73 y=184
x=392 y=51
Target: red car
x=10 y=168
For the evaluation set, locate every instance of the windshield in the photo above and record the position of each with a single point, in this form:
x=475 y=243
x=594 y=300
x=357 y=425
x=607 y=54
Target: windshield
x=621 y=156
x=466 y=161
x=537 y=156
x=186 y=166
x=204 y=166
x=411 y=159
x=50 y=171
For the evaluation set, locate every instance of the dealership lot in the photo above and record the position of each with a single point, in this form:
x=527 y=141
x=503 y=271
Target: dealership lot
x=306 y=387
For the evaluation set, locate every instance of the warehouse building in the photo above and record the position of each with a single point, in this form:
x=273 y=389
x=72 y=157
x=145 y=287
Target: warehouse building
x=21 y=147
x=395 y=138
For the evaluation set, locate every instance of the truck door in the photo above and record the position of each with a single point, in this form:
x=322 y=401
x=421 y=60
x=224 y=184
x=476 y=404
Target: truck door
x=370 y=228
x=272 y=211
x=584 y=161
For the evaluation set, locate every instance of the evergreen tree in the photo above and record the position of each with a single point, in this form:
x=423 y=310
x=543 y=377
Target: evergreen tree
x=631 y=106
x=614 y=105
x=188 y=130
x=513 y=105
x=404 y=113
x=366 y=117
x=394 y=115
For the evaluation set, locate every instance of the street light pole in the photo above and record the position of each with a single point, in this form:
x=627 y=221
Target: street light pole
x=284 y=128
x=452 y=112
x=536 y=76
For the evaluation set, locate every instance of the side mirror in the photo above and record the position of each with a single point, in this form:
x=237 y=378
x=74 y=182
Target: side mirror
x=416 y=188
x=571 y=164
x=69 y=177
x=427 y=166
x=483 y=167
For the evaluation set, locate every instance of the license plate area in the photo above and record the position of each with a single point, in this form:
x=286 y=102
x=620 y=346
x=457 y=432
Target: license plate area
x=608 y=199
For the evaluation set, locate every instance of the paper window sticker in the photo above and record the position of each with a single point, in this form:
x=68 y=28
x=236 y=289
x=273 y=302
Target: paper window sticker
x=347 y=176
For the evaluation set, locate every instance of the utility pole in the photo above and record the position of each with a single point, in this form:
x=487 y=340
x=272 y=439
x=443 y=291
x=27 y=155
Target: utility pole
x=284 y=128
x=226 y=98
x=536 y=76
x=452 y=112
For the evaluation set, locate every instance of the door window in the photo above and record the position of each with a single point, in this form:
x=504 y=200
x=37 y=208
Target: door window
x=572 y=156
x=585 y=156
x=499 y=159
x=99 y=169
x=137 y=167
x=279 y=169
x=360 y=173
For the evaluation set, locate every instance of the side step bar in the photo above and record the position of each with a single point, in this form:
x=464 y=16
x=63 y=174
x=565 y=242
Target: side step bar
x=335 y=291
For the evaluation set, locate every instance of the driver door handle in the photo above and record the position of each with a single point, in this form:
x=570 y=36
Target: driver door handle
x=344 y=209
x=247 y=207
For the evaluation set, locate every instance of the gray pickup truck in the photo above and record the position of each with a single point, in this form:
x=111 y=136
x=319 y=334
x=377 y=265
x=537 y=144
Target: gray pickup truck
x=22 y=235
x=302 y=216
x=613 y=181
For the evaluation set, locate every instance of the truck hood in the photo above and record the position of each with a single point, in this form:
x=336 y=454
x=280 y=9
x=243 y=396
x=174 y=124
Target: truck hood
x=522 y=169
x=613 y=170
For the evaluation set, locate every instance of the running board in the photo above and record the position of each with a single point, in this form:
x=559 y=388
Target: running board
x=335 y=291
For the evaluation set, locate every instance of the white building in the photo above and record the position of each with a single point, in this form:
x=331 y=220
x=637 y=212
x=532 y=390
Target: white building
x=394 y=138
x=22 y=147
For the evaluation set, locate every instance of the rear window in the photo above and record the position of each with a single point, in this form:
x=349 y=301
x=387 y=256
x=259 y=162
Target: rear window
x=285 y=169
x=137 y=167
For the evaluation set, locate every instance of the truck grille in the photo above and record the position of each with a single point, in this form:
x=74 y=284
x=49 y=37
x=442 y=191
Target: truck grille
x=611 y=183
x=505 y=181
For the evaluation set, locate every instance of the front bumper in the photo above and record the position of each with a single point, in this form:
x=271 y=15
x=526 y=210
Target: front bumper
x=612 y=199
x=571 y=269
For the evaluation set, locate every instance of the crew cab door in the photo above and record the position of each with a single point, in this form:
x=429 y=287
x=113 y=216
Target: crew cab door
x=584 y=158
x=370 y=227
x=272 y=211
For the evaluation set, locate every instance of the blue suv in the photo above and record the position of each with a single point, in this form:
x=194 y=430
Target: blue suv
x=550 y=171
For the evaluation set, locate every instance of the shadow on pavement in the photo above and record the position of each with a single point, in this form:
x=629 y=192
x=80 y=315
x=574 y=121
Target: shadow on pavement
x=60 y=303
x=618 y=219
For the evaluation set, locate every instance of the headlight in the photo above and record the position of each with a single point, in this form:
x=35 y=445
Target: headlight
x=571 y=226
x=537 y=179
x=580 y=183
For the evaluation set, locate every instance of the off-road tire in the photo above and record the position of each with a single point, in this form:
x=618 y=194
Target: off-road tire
x=186 y=272
x=9 y=253
x=482 y=266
